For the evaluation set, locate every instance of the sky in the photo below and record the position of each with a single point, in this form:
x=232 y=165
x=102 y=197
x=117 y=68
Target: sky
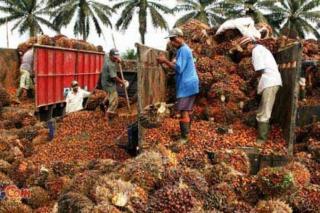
x=124 y=40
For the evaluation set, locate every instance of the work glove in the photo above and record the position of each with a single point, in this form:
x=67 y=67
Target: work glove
x=126 y=84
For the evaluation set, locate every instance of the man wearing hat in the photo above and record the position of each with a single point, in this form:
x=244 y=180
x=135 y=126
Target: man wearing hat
x=108 y=80
x=75 y=98
x=270 y=81
x=187 y=81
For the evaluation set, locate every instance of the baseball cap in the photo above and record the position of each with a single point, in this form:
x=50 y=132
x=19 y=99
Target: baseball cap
x=114 y=52
x=175 y=32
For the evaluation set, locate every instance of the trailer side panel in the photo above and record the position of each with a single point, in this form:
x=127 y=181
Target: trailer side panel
x=55 y=68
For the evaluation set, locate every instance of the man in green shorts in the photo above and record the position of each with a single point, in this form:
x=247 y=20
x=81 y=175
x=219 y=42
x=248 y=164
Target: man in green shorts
x=109 y=80
x=26 y=72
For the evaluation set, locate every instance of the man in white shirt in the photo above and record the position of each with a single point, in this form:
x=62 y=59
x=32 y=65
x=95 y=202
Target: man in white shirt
x=75 y=98
x=270 y=81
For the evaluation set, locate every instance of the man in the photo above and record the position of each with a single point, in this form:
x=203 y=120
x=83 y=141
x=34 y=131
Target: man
x=187 y=81
x=75 y=98
x=109 y=80
x=26 y=73
x=266 y=67
x=308 y=77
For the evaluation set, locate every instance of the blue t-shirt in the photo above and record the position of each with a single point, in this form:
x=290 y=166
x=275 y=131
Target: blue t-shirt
x=187 y=80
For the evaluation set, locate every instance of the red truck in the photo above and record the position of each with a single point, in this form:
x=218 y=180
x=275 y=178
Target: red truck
x=55 y=68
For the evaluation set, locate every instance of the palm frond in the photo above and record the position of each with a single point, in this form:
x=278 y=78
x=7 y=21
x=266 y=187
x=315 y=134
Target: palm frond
x=126 y=16
x=215 y=19
x=157 y=19
x=310 y=28
x=311 y=5
x=64 y=11
x=46 y=23
x=182 y=8
x=122 y=4
x=3 y=20
x=97 y=25
x=185 y=18
x=160 y=7
x=102 y=16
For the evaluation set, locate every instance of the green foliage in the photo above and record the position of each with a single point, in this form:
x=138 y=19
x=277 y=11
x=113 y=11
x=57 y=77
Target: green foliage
x=275 y=181
x=208 y=12
x=84 y=11
x=296 y=18
x=252 y=8
x=142 y=7
x=27 y=15
x=293 y=18
x=130 y=54
x=287 y=181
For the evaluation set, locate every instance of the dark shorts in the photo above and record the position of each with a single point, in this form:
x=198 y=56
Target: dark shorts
x=186 y=103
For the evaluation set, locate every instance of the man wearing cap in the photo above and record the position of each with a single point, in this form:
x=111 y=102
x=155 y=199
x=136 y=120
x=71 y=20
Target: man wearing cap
x=75 y=98
x=187 y=81
x=108 y=80
x=270 y=81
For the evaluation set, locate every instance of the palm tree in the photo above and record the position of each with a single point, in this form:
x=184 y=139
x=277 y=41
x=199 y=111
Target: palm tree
x=142 y=7
x=289 y=17
x=253 y=8
x=297 y=18
x=84 y=11
x=206 y=11
x=28 y=15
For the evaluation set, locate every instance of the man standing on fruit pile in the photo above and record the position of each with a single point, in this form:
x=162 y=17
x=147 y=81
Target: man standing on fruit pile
x=108 y=81
x=270 y=81
x=26 y=73
x=187 y=81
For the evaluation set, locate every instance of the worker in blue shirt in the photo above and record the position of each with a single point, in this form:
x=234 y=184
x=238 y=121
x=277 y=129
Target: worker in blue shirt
x=187 y=80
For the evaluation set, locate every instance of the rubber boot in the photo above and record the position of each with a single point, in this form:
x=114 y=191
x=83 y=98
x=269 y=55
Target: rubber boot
x=102 y=107
x=184 y=138
x=52 y=128
x=263 y=130
x=30 y=93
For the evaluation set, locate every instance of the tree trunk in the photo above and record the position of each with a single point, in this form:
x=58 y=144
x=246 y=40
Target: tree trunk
x=142 y=35
x=32 y=31
x=143 y=20
x=83 y=30
x=83 y=19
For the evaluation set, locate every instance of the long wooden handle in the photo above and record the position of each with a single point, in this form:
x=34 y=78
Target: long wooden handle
x=125 y=89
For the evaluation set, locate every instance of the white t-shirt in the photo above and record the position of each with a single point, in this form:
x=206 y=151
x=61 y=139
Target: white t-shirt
x=263 y=59
x=75 y=100
x=27 y=61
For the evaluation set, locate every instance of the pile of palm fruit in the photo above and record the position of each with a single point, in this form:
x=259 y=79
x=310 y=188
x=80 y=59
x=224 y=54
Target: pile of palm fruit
x=59 y=41
x=225 y=69
x=83 y=170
